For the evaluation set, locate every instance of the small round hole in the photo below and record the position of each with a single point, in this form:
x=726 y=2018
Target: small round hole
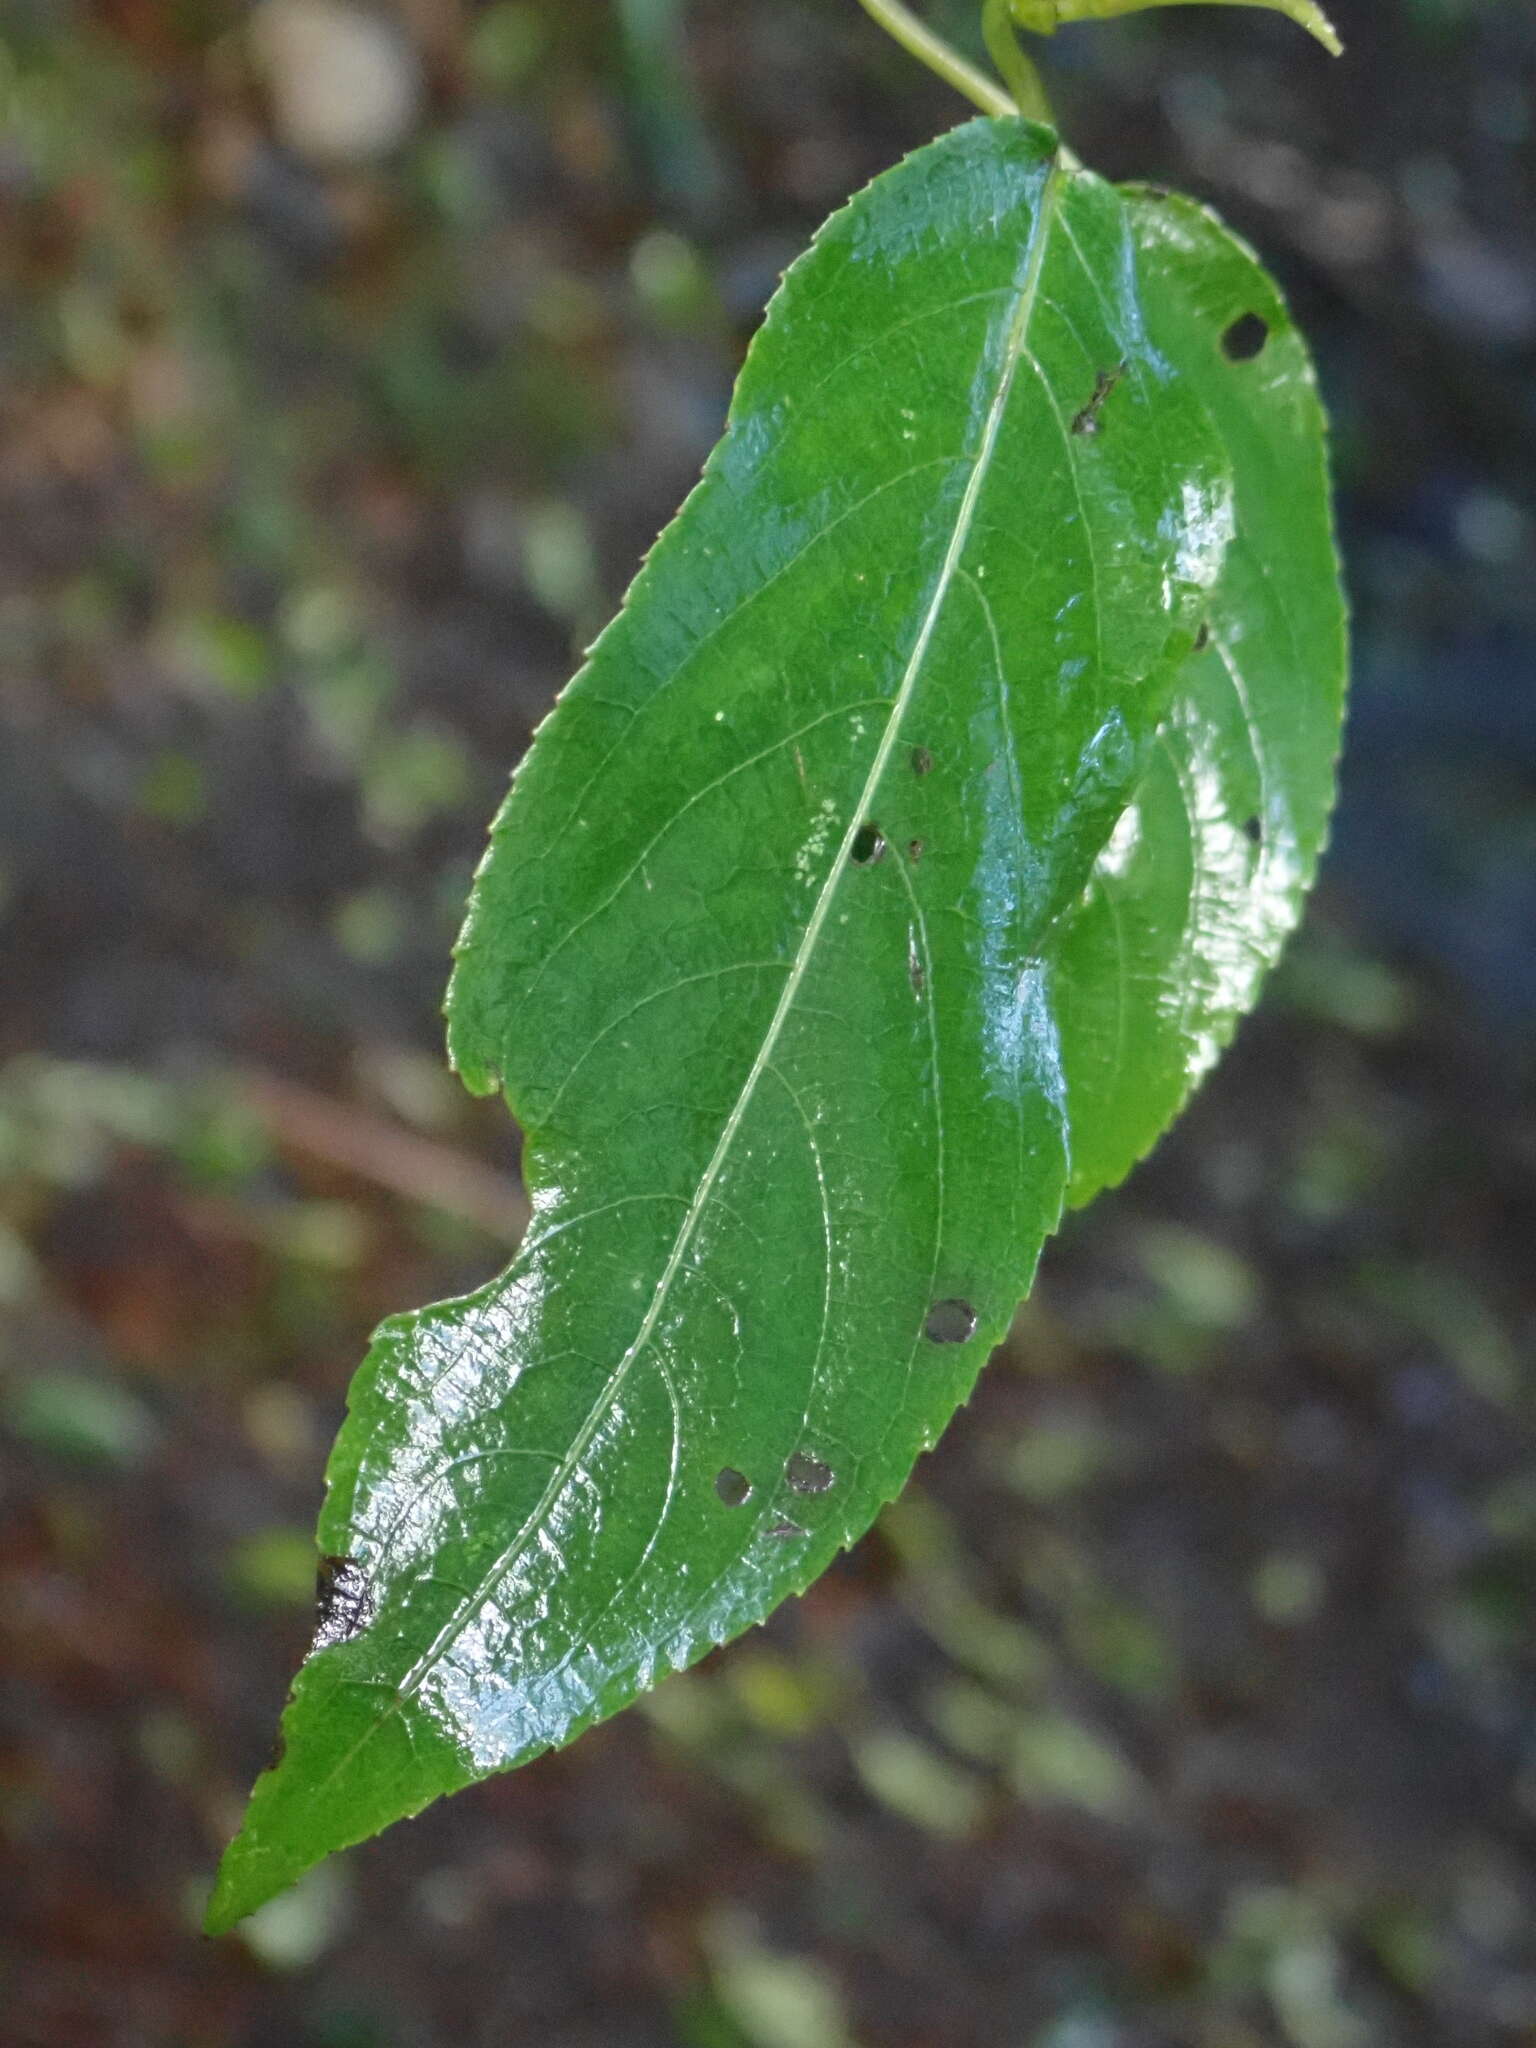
x=732 y=1486
x=950 y=1322
x=922 y=761
x=915 y=849
x=807 y=1474
x=1253 y=829
x=1245 y=337
x=868 y=846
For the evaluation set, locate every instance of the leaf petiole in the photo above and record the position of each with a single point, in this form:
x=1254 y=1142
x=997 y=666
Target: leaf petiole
x=1016 y=70
x=919 y=41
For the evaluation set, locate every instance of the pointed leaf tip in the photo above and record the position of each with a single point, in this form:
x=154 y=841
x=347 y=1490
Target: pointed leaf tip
x=232 y=1897
x=247 y=1877
x=1313 y=20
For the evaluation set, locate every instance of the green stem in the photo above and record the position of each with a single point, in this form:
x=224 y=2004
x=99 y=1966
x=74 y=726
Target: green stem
x=919 y=41
x=1018 y=73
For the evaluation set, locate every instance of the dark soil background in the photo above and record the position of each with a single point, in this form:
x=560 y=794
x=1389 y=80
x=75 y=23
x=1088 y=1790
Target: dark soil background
x=350 y=360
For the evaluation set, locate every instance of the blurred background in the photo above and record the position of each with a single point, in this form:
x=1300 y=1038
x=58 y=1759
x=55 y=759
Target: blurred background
x=350 y=357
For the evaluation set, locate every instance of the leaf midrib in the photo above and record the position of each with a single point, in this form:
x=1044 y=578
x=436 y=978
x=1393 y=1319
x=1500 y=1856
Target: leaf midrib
x=1013 y=350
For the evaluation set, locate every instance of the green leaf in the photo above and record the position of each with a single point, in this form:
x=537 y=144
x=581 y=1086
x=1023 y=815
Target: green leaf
x=1043 y=17
x=1203 y=878
x=791 y=948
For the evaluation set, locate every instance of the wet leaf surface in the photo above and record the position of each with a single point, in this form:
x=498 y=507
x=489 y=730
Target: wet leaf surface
x=884 y=875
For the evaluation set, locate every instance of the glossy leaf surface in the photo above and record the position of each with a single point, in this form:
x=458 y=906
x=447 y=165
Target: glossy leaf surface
x=791 y=946
x=1204 y=876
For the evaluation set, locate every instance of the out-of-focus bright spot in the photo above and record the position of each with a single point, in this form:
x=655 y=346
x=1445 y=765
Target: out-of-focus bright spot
x=778 y=2001
x=1280 y=1941
x=412 y=777
x=295 y=1929
x=320 y=621
x=668 y=274
x=1287 y=1589
x=1328 y=981
x=557 y=556
x=774 y=1693
x=90 y=333
x=170 y=1746
x=274 y=1568
x=1055 y=1458
x=505 y=41
x=918 y=1783
x=281 y=1426
x=345 y=84
x=1208 y=1283
x=370 y=926
x=345 y=702
x=1056 y=1760
x=330 y=1235
x=415 y=1085
x=450 y=1898
x=213 y=657
x=688 y=1708
x=1080 y=2030
x=1493 y=530
x=77 y=1417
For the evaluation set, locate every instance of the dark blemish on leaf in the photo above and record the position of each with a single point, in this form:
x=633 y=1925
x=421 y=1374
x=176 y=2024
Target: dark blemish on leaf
x=344 y=1601
x=732 y=1486
x=1202 y=638
x=868 y=846
x=950 y=1322
x=922 y=761
x=279 y=1749
x=1087 y=421
x=807 y=1474
x=1245 y=337
x=781 y=1530
x=1253 y=829
x=914 y=849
